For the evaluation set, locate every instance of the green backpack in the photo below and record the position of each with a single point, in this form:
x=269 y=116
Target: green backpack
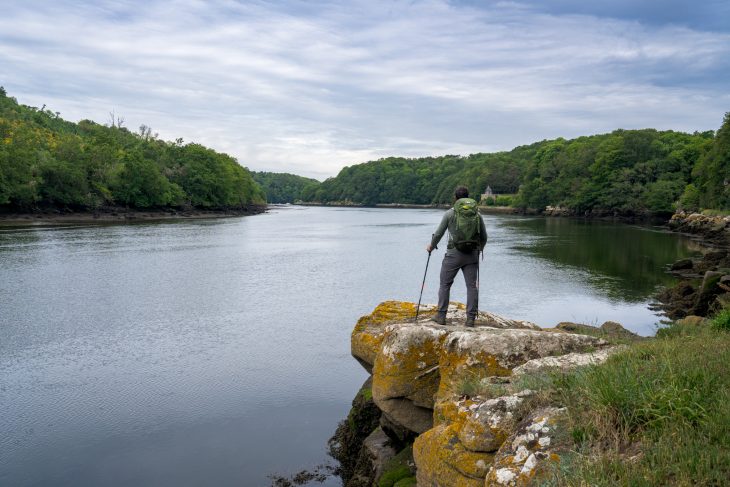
x=466 y=235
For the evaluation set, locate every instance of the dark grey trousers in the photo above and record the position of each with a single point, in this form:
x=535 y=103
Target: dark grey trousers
x=469 y=265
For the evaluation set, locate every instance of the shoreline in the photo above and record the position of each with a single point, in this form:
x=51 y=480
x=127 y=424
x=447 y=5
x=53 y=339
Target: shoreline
x=507 y=210
x=702 y=283
x=119 y=215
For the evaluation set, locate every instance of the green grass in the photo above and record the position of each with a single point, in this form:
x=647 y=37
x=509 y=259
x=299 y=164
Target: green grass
x=657 y=413
x=397 y=471
x=366 y=393
x=406 y=482
x=472 y=385
x=721 y=321
x=716 y=212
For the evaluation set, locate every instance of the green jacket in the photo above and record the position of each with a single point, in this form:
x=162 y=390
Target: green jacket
x=448 y=222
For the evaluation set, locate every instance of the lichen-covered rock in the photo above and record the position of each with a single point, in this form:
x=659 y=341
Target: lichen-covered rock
x=490 y=423
x=405 y=374
x=527 y=454
x=421 y=370
x=489 y=352
x=414 y=362
x=370 y=330
x=565 y=362
x=712 y=228
x=609 y=330
x=443 y=461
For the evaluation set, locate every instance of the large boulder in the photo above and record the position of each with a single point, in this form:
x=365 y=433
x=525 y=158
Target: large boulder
x=405 y=374
x=488 y=352
x=370 y=330
x=413 y=363
x=435 y=381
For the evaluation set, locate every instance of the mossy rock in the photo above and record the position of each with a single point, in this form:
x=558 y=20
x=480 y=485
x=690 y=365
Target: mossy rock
x=400 y=467
x=406 y=482
x=391 y=477
x=346 y=444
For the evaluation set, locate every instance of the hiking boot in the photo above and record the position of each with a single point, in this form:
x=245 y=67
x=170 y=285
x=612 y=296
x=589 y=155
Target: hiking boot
x=469 y=322
x=440 y=318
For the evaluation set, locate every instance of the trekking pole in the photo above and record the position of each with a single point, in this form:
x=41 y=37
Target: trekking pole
x=423 y=284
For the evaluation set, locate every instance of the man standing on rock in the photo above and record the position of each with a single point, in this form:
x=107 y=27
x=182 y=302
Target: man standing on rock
x=467 y=238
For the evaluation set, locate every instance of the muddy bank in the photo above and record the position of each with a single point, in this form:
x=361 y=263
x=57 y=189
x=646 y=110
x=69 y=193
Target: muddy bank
x=54 y=216
x=704 y=286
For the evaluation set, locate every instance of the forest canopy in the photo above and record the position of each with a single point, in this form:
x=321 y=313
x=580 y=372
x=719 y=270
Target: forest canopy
x=625 y=172
x=283 y=187
x=48 y=161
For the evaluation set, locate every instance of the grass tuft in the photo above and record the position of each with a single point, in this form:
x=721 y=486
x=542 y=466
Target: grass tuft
x=657 y=413
x=721 y=321
x=472 y=385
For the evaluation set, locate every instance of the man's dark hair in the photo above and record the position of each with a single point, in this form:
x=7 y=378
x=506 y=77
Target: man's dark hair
x=461 y=192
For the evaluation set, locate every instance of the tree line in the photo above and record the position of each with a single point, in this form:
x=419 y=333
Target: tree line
x=628 y=172
x=48 y=161
x=283 y=187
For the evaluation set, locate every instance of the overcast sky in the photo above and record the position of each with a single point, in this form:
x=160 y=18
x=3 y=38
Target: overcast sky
x=310 y=87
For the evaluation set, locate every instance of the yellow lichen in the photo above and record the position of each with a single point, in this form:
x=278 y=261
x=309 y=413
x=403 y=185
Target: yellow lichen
x=452 y=411
x=442 y=460
x=369 y=332
x=390 y=312
x=410 y=371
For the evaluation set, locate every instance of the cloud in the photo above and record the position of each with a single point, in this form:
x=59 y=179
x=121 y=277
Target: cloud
x=310 y=87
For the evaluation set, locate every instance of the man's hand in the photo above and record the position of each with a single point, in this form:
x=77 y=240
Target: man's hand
x=429 y=249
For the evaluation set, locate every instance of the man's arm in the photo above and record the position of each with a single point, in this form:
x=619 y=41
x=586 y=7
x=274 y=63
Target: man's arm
x=482 y=232
x=440 y=230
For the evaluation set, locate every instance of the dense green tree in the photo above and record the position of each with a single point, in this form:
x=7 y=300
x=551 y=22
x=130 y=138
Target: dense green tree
x=45 y=160
x=141 y=184
x=284 y=187
x=626 y=172
x=712 y=172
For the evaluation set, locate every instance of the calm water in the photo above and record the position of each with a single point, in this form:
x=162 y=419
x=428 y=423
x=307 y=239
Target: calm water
x=217 y=352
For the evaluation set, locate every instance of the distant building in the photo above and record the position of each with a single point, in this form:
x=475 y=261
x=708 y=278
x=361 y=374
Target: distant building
x=488 y=193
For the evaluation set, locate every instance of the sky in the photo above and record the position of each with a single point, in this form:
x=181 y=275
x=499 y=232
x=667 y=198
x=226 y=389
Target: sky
x=309 y=87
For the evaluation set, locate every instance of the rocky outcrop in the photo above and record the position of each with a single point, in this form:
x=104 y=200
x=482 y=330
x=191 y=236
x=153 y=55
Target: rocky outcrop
x=558 y=211
x=453 y=387
x=714 y=229
x=354 y=444
x=705 y=280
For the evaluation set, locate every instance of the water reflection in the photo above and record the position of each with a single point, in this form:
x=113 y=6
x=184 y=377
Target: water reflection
x=626 y=262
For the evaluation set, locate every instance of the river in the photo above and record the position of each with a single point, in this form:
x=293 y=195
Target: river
x=216 y=352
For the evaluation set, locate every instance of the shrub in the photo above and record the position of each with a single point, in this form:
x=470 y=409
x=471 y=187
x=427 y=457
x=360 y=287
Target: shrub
x=503 y=200
x=721 y=321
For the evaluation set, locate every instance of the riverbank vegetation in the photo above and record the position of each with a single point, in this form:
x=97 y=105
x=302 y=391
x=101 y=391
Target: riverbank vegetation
x=627 y=172
x=283 y=187
x=48 y=162
x=657 y=413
